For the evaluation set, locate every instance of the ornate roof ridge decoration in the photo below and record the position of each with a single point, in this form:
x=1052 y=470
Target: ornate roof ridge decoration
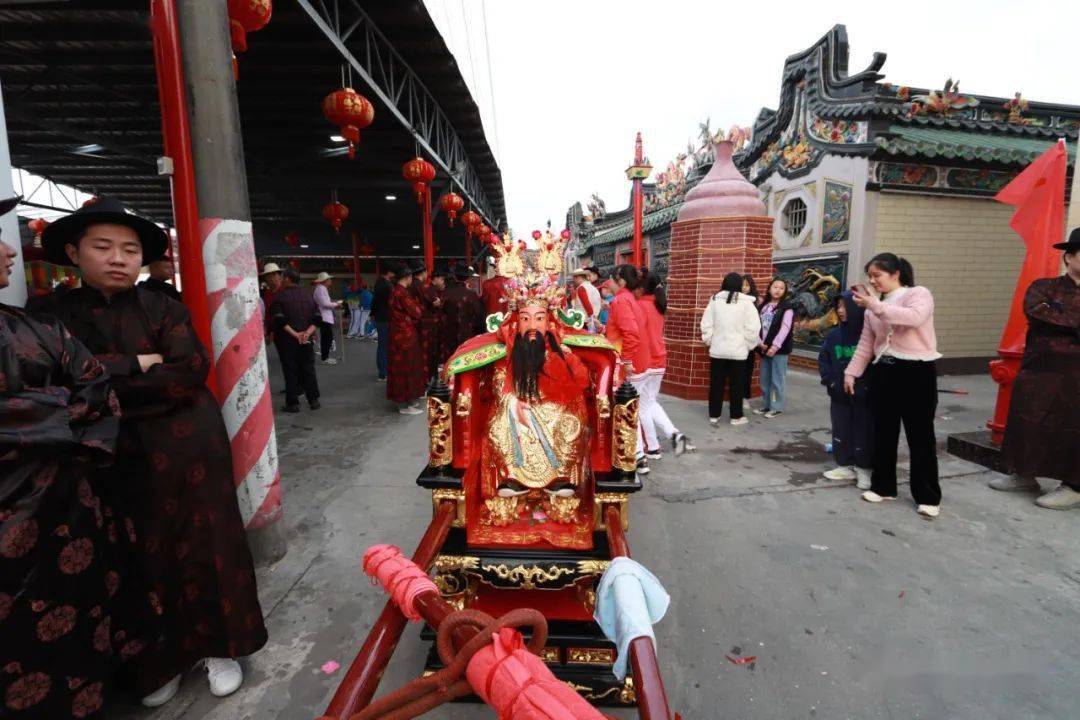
x=823 y=109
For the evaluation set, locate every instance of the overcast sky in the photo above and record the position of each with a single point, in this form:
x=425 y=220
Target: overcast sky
x=572 y=81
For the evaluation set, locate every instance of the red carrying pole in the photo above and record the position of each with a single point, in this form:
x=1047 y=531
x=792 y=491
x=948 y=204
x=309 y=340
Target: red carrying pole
x=649 y=686
x=362 y=680
x=176 y=136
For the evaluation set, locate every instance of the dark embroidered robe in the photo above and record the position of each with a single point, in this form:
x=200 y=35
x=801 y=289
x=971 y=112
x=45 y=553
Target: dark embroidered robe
x=175 y=461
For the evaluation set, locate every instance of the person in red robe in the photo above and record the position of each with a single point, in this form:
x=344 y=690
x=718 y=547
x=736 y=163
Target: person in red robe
x=173 y=460
x=430 y=301
x=406 y=366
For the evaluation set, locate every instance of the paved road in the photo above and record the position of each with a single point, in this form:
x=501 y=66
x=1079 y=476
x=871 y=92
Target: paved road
x=852 y=610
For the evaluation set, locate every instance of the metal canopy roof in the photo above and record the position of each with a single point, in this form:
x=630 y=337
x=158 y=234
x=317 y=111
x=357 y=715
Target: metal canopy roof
x=80 y=96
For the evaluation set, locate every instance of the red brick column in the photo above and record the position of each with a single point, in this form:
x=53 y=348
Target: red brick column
x=703 y=250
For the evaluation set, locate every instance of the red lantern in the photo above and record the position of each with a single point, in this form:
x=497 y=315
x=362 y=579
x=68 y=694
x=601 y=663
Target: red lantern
x=419 y=172
x=247 y=16
x=37 y=226
x=351 y=112
x=451 y=203
x=294 y=264
x=89 y=201
x=335 y=213
x=470 y=220
x=483 y=232
x=367 y=250
x=292 y=239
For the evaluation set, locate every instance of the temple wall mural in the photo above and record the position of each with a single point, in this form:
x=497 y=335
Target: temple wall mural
x=813 y=282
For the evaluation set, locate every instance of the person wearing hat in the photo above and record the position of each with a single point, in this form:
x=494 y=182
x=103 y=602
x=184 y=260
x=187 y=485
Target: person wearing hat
x=1042 y=435
x=406 y=366
x=586 y=298
x=326 y=306
x=380 y=316
x=161 y=275
x=431 y=310
x=269 y=283
x=295 y=317
x=174 y=460
x=462 y=313
x=68 y=606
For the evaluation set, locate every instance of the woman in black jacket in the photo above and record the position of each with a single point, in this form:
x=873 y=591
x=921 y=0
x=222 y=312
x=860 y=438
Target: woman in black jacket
x=777 y=339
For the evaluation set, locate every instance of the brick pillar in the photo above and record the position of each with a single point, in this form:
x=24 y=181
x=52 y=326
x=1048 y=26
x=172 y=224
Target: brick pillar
x=722 y=228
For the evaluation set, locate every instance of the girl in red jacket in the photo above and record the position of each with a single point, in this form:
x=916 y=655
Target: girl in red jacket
x=656 y=424
x=625 y=330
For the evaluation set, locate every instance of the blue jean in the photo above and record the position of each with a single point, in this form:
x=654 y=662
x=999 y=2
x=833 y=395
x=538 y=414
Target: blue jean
x=382 y=327
x=773 y=379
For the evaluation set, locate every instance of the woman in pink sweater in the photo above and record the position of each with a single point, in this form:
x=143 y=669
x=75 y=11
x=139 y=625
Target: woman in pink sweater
x=898 y=341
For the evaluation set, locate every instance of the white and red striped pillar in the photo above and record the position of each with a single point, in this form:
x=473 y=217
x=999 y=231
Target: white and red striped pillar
x=240 y=366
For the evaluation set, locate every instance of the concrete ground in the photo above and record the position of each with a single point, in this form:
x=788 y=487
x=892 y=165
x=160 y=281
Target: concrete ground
x=851 y=610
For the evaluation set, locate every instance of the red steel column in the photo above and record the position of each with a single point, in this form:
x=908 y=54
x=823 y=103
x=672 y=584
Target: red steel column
x=636 y=248
x=176 y=137
x=429 y=240
x=637 y=173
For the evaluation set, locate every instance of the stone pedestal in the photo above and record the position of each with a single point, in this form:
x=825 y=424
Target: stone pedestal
x=722 y=228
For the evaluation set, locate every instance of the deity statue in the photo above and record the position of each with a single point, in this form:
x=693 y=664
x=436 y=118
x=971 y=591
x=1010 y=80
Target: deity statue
x=597 y=208
x=550 y=261
x=507 y=253
x=537 y=392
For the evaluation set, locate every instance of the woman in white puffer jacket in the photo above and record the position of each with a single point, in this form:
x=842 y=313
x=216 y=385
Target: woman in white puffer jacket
x=730 y=327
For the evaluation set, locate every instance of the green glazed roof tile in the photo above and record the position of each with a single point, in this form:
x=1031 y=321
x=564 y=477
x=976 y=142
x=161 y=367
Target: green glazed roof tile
x=956 y=144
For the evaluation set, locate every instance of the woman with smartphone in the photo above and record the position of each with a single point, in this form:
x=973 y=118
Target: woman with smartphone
x=898 y=343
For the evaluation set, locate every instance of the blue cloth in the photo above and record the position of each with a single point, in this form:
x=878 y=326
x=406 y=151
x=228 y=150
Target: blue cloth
x=366 y=297
x=629 y=601
x=773 y=382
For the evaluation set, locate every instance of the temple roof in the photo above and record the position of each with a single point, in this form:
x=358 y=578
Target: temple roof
x=934 y=142
x=823 y=110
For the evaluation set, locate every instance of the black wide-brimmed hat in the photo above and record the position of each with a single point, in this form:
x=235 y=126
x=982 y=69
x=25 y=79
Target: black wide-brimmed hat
x=103 y=210
x=1072 y=244
x=419 y=266
x=462 y=272
x=8 y=205
x=440 y=271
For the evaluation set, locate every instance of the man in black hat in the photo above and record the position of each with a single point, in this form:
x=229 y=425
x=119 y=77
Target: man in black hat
x=1042 y=435
x=431 y=309
x=174 y=460
x=462 y=313
x=161 y=276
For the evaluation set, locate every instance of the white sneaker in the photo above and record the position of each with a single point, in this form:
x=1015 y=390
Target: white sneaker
x=772 y=413
x=759 y=411
x=642 y=466
x=163 y=694
x=680 y=443
x=862 y=478
x=872 y=497
x=225 y=676
x=840 y=473
x=330 y=361
x=929 y=511
x=409 y=410
x=714 y=421
x=1063 y=498
x=740 y=421
x=654 y=454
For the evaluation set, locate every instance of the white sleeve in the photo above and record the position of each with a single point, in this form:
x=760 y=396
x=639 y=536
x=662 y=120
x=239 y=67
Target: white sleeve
x=707 y=323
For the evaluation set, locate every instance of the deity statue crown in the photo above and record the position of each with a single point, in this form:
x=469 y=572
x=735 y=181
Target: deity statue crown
x=535 y=291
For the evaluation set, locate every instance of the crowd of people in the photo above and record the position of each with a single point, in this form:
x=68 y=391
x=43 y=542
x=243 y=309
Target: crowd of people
x=123 y=555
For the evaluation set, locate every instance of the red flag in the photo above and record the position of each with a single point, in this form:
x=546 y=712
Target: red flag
x=1038 y=194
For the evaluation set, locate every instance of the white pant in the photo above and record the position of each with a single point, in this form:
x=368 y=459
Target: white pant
x=653 y=419
x=359 y=320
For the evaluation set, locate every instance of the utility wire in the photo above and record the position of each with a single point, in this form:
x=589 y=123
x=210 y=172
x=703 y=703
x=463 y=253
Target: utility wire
x=491 y=84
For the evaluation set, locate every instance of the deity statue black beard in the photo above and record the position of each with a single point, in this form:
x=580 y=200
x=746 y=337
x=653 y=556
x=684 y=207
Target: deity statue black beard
x=527 y=362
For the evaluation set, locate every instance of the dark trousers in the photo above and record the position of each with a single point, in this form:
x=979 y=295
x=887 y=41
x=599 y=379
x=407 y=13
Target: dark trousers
x=905 y=391
x=852 y=430
x=382 y=329
x=749 y=374
x=326 y=339
x=298 y=366
x=726 y=372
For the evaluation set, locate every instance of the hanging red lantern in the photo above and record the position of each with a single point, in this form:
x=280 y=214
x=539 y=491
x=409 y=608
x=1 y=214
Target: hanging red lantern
x=294 y=264
x=367 y=250
x=335 y=213
x=292 y=239
x=37 y=226
x=483 y=232
x=470 y=219
x=419 y=172
x=351 y=112
x=451 y=203
x=247 y=16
